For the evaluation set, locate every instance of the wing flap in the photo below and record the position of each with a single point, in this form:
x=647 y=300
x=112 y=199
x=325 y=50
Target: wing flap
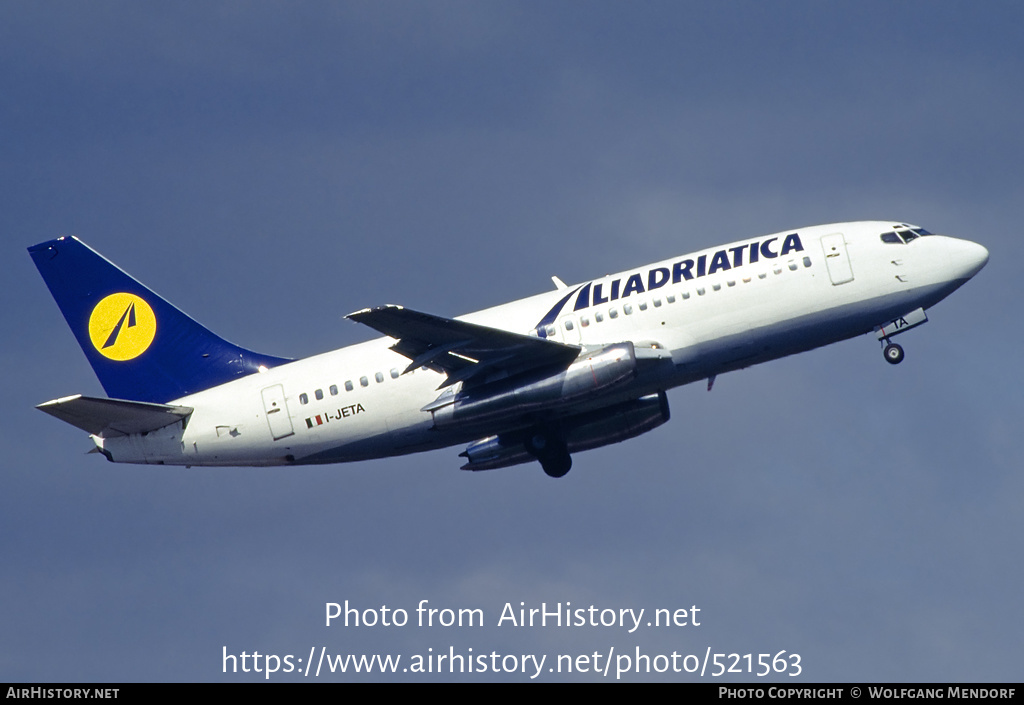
x=459 y=349
x=113 y=417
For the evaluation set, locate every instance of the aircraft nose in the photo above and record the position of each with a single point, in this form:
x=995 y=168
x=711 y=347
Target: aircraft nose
x=967 y=257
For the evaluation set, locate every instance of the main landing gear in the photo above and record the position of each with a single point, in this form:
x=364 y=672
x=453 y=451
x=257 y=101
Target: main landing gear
x=893 y=353
x=551 y=451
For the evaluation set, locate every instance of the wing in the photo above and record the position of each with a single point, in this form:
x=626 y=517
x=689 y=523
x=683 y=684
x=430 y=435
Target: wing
x=462 y=350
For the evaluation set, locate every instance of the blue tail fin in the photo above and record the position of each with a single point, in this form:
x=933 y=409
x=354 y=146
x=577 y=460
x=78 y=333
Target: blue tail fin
x=141 y=347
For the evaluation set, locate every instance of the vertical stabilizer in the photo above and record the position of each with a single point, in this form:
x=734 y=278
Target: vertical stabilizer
x=141 y=347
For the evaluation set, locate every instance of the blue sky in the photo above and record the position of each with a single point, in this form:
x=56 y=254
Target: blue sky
x=269 y=168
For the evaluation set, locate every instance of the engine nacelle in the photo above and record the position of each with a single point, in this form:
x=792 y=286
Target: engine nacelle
x=591 y=373
x=590 y=430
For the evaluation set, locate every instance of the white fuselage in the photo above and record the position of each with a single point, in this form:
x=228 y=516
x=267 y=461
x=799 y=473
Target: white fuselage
x=690 y=318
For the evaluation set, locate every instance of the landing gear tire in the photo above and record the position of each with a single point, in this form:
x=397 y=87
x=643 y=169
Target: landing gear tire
x=552 y=453
x=893 y=354
x=557 y=466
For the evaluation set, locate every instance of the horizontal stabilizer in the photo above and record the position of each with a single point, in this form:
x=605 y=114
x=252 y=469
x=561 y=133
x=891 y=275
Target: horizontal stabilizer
x=113 y=417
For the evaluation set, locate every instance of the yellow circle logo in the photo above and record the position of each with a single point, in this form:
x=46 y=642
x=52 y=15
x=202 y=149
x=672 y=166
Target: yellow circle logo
x=122 y=326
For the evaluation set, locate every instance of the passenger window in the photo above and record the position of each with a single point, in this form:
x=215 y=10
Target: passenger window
x=792 y=266
x=598 y=316
x=363 y=382
x=627 y=309
x=379 y=377
x=671 y=298
x=657 y=303
x=613 y=313
x=643 y=305
x=348 y=385
x=807 y=261
x=395 y=373
x=584 y=321
x=319 y=394
x=334 y=390
x=716 y=287
x=700 y=291
x=568 y=324
x=303 y=399
x=686 y=295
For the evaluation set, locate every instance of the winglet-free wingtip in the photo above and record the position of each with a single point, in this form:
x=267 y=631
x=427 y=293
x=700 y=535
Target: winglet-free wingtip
x=354 y=316
x=361 y=312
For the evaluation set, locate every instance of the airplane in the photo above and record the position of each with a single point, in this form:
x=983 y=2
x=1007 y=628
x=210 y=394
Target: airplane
x=538 y=379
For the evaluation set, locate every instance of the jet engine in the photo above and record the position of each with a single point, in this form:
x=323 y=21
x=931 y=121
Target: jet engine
x=593 y=372
x=583 y=432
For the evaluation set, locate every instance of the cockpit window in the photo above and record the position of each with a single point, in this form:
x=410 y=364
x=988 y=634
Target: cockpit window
x=903 y=234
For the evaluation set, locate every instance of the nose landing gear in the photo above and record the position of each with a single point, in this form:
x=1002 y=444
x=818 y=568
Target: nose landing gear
x=893 y=353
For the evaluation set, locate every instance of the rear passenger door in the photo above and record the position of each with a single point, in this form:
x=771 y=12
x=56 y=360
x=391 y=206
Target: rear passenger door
x=276 y=408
